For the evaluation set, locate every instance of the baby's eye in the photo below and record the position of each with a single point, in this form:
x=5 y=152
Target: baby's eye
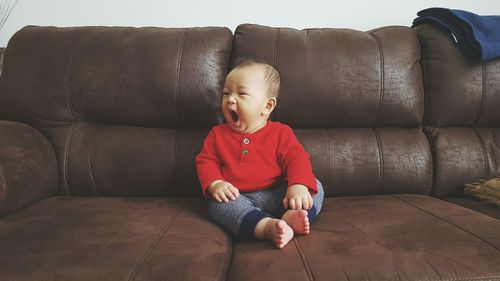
x=243 y=94
x=225 y=93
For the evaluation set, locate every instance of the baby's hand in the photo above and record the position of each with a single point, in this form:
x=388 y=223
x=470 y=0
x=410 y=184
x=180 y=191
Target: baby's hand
x=297 y=197
x=222 y=191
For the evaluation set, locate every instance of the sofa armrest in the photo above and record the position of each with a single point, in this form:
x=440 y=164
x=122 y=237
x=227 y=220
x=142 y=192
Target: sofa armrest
x=28 y=166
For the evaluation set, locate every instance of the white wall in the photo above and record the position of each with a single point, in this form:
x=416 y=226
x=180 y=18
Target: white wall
x=356 y=14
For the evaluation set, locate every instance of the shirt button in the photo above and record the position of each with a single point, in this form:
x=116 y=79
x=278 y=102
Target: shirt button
x=244 y=152
x=246 y=141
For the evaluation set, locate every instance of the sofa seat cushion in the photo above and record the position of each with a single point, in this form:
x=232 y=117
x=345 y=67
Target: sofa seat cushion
x=92 y=238
x=387 y=237
x=476 y=205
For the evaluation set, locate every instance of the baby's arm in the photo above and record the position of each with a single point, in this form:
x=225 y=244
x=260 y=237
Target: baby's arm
x=222 y=191
x=298 y=197
x=208 y=168
x=295 y=161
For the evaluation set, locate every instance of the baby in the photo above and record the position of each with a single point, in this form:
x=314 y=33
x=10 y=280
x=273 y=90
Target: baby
x=257 y=173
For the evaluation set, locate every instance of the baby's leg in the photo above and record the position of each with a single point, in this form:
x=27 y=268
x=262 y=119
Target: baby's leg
x=239 y=216
x=317 y=202
x=243 y=219
x=278 y=231
x=299 y=220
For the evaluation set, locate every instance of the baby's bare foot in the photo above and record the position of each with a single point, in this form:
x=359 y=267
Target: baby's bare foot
x=297 y=220
x=279 y=232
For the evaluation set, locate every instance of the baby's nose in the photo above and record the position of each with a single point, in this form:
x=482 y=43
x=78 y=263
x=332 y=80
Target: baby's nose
x=231 y=100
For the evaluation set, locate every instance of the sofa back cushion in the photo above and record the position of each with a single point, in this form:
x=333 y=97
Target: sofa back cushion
x=126 y=109
x=355 y=100
x=462 y=116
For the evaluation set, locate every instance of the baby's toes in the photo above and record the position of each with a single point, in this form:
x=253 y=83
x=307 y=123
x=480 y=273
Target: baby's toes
x=280 y=227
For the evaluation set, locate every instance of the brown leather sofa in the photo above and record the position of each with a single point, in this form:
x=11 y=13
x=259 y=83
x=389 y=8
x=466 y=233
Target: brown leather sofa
x=100 y=127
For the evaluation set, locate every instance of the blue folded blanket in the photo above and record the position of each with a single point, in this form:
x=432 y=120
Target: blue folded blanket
x=477 y=36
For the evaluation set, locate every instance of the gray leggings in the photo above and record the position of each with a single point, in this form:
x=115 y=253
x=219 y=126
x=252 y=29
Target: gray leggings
x=240 y=216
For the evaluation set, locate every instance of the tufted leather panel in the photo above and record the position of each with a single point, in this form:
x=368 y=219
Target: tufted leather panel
x=462 y=116
x=355 y=101
x=111 y=160
x=126 y=109
x=339 y=77
x=153 y=77
x=463 y=155
x=458 y=93
x=362 y=161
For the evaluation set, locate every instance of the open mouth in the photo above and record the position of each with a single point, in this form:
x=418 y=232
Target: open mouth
x=234 y=116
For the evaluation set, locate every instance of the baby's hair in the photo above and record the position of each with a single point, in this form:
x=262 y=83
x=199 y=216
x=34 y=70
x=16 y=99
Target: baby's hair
x=271 y=75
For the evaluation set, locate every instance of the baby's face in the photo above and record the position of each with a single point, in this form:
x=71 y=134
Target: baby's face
x=245 y=101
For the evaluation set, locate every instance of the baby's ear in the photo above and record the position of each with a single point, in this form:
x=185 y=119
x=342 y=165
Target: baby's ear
x=270 y=105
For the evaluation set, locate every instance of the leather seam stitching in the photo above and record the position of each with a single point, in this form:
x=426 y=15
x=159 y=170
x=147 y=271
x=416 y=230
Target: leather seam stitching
x=485 y=154
x=481 y=102
x=227 y=262
x=434 y=269
x=468 y=279
x=91 y=172
x=303 y=259
x=445 y=220
x=66 y=158
x=174 y=156
x=331 y=154
x=381 y=161
x=429 y=146
x=382 y=75
x=152 y=246
x=423 y=67
x=274 y=114
x=178 y=76
x=275 y=51
x=68 y=88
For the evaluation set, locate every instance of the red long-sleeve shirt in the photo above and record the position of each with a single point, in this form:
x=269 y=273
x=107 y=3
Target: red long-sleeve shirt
x=254 y=161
